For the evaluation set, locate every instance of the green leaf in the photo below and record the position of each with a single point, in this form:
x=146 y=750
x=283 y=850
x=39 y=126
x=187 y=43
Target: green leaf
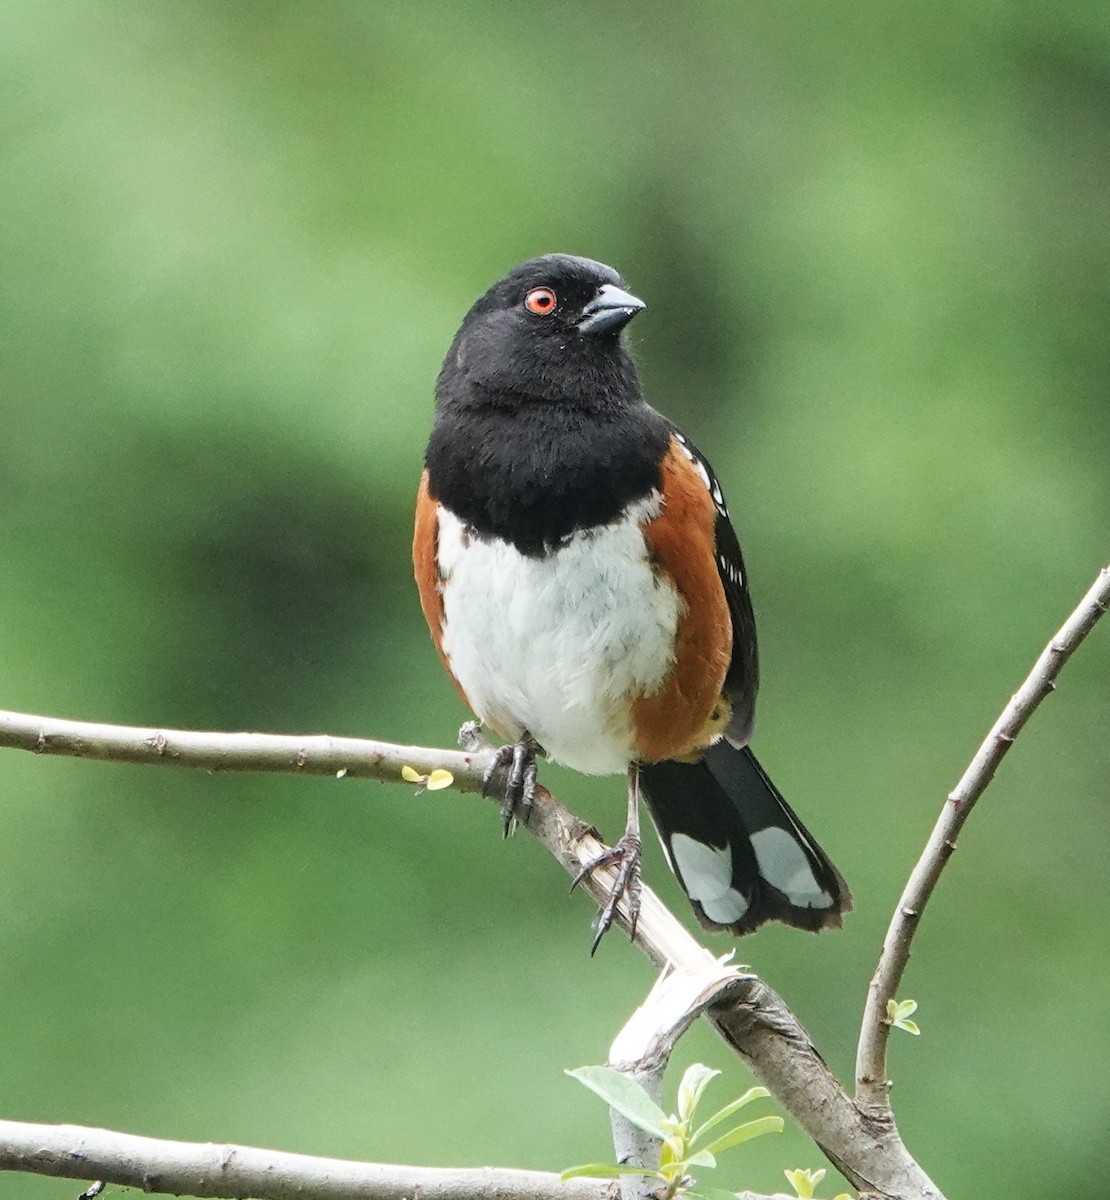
x=755 y=1093
x=703 y=1158
x=673 y=1151
x=690 y=1090
x=745 y=1133
x=898 y=1012
x=625 y=1095
x=804 y=1182
x=674 y=1175
x=604 y=1171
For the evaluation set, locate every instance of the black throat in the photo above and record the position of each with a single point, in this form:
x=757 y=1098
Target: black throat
x=534 y=472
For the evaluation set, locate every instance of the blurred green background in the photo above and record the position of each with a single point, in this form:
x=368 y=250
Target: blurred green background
x=235 y=241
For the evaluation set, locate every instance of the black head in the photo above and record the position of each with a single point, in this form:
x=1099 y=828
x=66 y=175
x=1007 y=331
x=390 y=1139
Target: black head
x=540 y=426
x=549 y=331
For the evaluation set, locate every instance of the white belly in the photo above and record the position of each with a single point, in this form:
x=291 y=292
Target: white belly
x=557 y=645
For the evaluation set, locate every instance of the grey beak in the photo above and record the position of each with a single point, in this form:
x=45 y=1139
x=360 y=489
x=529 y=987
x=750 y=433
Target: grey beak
x=610 y=310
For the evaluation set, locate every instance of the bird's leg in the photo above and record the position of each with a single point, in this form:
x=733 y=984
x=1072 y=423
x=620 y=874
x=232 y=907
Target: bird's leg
x=520 y=789
x=626 y=853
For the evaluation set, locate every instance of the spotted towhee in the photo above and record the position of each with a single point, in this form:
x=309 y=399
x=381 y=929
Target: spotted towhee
x=585 y=590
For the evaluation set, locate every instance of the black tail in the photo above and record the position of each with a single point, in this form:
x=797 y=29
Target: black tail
x=738 y=850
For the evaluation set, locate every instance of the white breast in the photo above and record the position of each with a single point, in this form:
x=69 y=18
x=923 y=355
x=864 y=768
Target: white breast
x=556 y=645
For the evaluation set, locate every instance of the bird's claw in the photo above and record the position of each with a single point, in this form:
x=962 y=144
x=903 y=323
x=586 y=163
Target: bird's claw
x=520 y=788
x=626 y=853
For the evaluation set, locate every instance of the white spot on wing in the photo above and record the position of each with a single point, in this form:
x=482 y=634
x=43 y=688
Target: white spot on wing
x=731 y=570
x=783 y=863
x=707 y=875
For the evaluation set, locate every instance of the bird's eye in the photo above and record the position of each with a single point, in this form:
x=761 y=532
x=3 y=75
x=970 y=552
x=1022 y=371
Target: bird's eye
x=541 y=301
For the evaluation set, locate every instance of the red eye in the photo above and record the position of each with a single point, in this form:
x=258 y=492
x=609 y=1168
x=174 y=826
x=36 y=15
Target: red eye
x=540 y=301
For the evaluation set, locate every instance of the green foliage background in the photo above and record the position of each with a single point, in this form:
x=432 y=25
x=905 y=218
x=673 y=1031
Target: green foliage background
x=235 y=241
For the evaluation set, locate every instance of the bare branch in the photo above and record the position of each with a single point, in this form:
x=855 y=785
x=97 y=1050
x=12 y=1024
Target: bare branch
x=872 y=1086
x=316 y=754
x=234 y=1172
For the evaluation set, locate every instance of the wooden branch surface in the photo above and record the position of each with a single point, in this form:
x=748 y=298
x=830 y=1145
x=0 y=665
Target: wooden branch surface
x=872 y=1086
x=230 y=1172
x=235 y=1172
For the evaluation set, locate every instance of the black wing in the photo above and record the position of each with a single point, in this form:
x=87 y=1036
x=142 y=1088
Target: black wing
x=742 y=677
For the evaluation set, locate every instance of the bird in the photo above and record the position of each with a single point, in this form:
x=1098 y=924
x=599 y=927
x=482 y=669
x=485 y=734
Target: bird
x=585 y=589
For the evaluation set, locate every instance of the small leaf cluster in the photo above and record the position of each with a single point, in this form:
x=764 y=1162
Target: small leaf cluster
x=685 y=1145
x=805 y=1183
x=432 y=782
x=898 y=1013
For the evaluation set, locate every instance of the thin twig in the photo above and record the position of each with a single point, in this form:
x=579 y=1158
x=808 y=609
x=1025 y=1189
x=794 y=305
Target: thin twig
x=294 y=754
x=872 y=1086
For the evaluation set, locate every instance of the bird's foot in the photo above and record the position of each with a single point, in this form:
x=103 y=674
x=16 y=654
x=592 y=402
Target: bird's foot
x=520 y=788
x=627 y=854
